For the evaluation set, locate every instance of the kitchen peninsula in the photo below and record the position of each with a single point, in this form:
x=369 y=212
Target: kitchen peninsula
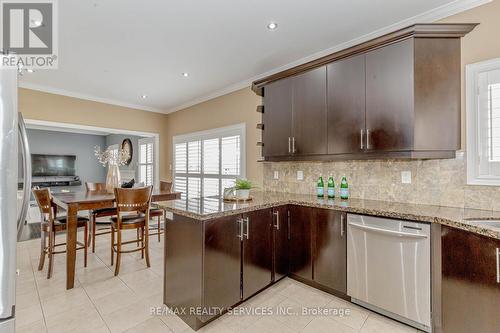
x=219 y=254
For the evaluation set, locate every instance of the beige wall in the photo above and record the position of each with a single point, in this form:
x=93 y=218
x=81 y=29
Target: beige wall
x=481 y=44
x=233 y=108
x=49 y=107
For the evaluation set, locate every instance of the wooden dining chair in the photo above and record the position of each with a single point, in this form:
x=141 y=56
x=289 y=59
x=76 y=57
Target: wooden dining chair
x=132 y=206
x=98 y=213
x=51 y=224
x=165 y=186
x=158 y=212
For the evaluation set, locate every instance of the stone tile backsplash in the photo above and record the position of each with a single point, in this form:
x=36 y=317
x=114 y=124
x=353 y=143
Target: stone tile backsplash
x=433 y=182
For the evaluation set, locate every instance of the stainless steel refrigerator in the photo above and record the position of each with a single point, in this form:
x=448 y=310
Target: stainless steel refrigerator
x=12 y=215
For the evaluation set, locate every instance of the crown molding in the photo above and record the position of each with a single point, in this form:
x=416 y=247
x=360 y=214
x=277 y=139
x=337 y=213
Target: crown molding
x=426 y=30
x=432 y=15
x=57 y=91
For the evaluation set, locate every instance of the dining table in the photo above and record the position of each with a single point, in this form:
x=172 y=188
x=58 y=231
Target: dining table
x=73 y=202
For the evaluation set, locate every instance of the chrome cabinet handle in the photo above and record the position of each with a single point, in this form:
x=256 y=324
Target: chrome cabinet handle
x=368 y=144
x=362 y=133
x=498 y=265
x=277 y=225
x=240 y=222
x=342 y=230
x=293 y=145
x=388 y=232
x=289 y=145
x=247 y=220
x=27 y=175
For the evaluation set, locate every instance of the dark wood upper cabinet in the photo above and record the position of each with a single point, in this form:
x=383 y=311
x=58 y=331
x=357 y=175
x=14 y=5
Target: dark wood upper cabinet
x=309 y=128
x=257 y=251
x=470 y=283
x=277 y=118
x=396 y=96
x=389 y=97
x=330 y=249
x=346 y=105
x=281 y=258
x=301 y=220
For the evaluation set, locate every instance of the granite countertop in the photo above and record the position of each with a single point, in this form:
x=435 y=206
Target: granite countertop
x=213 y=207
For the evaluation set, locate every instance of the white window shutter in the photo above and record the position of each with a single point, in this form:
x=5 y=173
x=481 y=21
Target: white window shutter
x=208 y=162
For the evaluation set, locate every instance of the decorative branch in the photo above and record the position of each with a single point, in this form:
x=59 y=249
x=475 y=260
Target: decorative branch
x=107 y=157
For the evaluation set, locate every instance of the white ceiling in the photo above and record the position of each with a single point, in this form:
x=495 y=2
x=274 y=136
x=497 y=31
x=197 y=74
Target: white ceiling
x=117 y=50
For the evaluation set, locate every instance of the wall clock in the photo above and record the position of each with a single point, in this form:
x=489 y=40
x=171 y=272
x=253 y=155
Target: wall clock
x=127 y=147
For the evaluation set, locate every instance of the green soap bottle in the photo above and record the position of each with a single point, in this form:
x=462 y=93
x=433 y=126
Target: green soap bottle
x=320 y=187
x=344 y=189
x=331 y=188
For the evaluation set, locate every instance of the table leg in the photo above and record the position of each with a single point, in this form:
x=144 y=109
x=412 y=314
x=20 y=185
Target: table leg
x=71 y=245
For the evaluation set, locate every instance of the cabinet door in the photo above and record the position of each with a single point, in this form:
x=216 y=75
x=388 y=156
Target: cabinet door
x=389 y=97
x=222 y=263
x=281 y=264
x=309 y=113
x=277 y=118
x=346 y=105
x=330 y=249
x=470 y=286
x=257 y=251
x=300 y=241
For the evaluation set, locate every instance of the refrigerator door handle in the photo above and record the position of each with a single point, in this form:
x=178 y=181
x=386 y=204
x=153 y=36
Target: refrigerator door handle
x=27 y=175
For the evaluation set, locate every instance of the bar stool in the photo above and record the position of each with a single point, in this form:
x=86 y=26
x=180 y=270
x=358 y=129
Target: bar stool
x=130 y=200
x=97 y=213
x=51 y=224
x=158 y=212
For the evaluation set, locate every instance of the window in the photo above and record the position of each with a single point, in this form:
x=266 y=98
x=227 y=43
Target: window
x=146 y=160
x=483 y=123
x=114 y=151
x=207 y=162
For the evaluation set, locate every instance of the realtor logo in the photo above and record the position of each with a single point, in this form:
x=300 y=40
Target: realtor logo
x=29 y=30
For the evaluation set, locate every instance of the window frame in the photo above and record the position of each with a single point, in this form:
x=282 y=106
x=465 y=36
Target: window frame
x=232 y=130
x=113 y=148
x=473 y=140
x=142 y=141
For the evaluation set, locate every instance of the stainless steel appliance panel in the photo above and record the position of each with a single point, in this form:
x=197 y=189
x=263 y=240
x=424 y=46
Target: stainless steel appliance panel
x=388 y=267
x=8 y=193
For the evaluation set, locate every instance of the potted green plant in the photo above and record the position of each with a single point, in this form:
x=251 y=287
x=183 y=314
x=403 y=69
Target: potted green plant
x=243 y=187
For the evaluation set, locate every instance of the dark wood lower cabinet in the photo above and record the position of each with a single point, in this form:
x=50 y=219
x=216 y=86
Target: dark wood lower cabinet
x=470 y=286
x=257 y=251
x=330 y=249
x=281 y=258
x=221 y=263
x=300 y=241
x=216 y=264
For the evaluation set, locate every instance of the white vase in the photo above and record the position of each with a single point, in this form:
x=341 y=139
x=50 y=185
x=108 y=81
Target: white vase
x=242 y=194
x=113 y=179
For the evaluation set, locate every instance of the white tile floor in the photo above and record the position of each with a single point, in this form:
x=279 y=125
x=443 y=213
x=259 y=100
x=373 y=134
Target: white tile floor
x=101 y=302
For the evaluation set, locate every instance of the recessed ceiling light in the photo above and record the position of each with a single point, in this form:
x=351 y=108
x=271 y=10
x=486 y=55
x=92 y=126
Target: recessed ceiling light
x=272 y=25
x=29 y=70
x=144 y=96
x=185 y=74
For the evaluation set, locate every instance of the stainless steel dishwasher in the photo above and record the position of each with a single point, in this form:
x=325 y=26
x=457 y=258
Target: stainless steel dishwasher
x=389 y=268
